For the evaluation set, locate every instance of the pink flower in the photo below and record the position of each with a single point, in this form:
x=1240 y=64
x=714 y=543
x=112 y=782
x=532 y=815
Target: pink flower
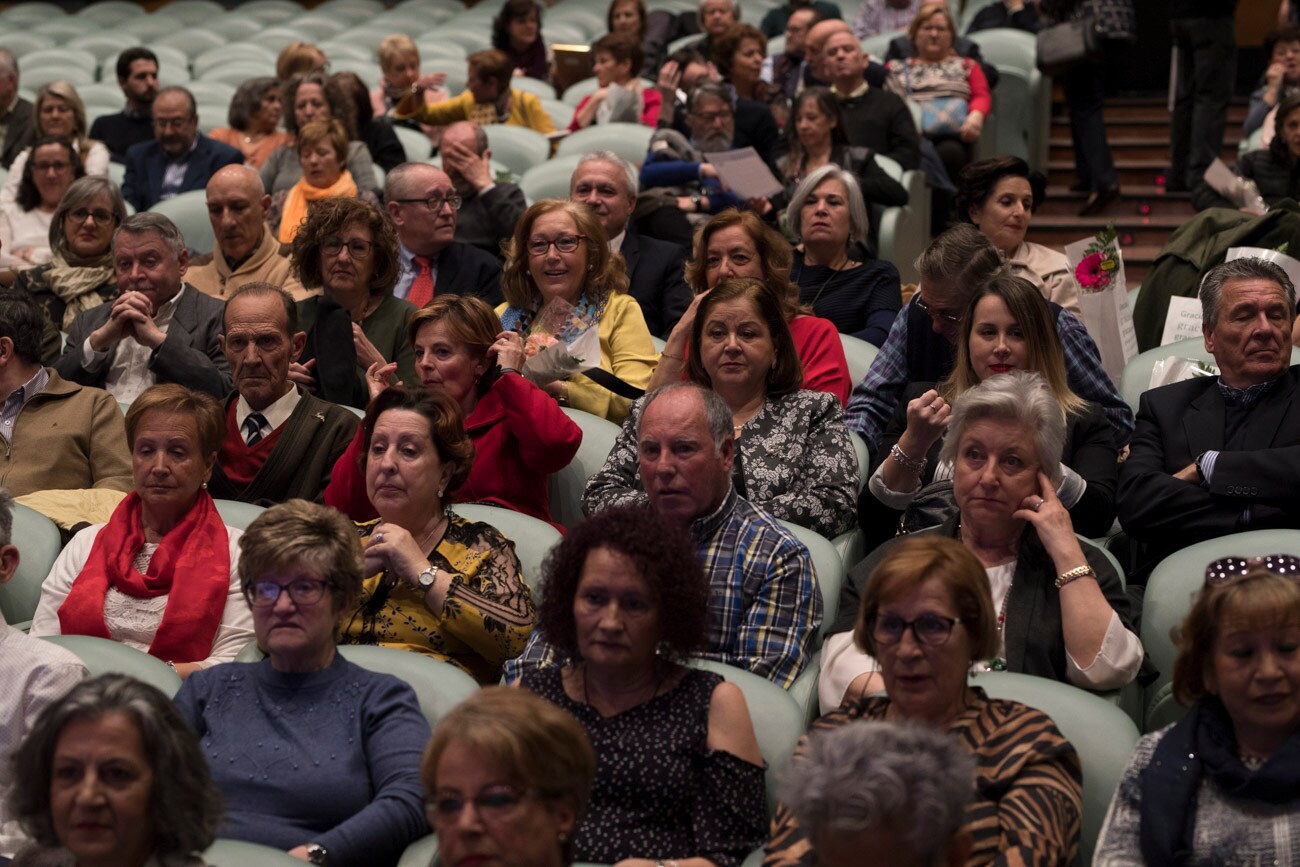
x=536 y=342
x=1093 y=272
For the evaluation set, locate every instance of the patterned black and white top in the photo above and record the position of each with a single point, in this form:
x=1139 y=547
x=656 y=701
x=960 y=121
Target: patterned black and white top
x=660 y=792
x=794 y=460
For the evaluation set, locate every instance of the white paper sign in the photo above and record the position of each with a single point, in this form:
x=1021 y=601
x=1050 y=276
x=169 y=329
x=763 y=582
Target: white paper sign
x=1183 y=321
x=1106 y=312
x=1281 y=260
x=743 y=172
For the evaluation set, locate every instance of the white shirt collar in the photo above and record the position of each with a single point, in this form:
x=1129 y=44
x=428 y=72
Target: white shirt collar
x=276 y=414
x=616 y=242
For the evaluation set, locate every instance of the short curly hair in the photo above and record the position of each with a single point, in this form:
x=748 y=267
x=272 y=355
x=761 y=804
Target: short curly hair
x=446 y=428
x=773 y=253
x=621 y=48
x=979 y=179
x=331 y=216
x=327 y=130
x=168 y=397
x=665 y=560
x=606 y=271
x=299 y=532
x=248 y=99
x=726 y=45
x=341 y=106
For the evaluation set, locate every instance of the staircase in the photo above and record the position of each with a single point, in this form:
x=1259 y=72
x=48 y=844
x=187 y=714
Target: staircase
x=1145 y=214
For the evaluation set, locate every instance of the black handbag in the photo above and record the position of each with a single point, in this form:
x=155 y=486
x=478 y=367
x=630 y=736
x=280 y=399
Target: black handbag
x=932 y=505
x=1064 y=46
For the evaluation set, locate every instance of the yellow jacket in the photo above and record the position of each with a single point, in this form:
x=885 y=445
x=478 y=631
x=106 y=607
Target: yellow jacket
x=525 y=110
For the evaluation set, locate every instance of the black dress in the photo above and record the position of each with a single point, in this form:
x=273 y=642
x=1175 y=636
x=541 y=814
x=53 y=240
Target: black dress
x=660 y=792
x=861 y=301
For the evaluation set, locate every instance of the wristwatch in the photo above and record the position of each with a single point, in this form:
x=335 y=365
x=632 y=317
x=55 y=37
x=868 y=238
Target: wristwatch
x=426 y=578
x=316 y=854
x=695 y=203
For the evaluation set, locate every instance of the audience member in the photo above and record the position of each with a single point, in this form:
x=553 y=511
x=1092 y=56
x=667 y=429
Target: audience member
x=57 y=435
x=794 y=458
x=300 y=58
x=873 y=117
x=374 y=131
x=137 y=75
x=679 y=772
x=1281 y=79
x=246 y=248
x=488 y=97
x=679 y=75
x=17 y=121
x=439 y=584
x=424 y=206
x=179 y=159
x=26 y=222
x=1272 y=168
x=1028 y=782
x=489 y=209
x=738 y=56
x=160 y=576
x=920 y=345
x=517 y=33
x=618 y=61
x=322 y=147
x=560 y=253
x=764 y=604
x=1212 y=455
x=1015 y=14
x=110 y=773
x=816 y=72
x=348 y=248
x=59 y=112
x=399 y=63
x=784 y=70
x=631 y=19
x=159 y=329
x=1221 y=780
x=714 y=18
x=310 y=97
x=776 y=19
x=254 y=119
x=906 y=46
x=608 y=184
x=351 y=735
x=884 y=16
x=280 y=442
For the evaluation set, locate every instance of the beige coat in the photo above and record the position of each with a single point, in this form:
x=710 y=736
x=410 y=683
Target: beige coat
x=1049 y=270
x=266 y=265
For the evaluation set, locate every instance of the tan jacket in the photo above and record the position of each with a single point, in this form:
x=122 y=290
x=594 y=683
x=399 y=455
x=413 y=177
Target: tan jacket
x=1049 y=271
x=266 y=265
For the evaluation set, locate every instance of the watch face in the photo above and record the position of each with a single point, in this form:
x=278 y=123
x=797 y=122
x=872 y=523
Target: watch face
x=426 y=580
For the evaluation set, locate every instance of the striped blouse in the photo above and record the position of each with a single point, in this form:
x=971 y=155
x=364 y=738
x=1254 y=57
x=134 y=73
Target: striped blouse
x=1028 y=790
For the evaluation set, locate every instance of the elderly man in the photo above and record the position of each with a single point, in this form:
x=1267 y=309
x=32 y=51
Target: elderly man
x=1216 y=455
x=424 y=206
x=137 y=75
x=247 y=251
x=607 y=184
x=920 y=343
x=872 y=116
x=488 y=210
x=764 y=603
x=747 y=124
x=58 y=435
x=783 y=70
x=281 y=442
x=17 y=126
x=160 y=329
x=178 y=159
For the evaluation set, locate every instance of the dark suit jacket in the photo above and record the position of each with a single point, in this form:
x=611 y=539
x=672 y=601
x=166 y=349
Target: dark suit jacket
x=190 y=356
x=466 y=270
x=655 y=270
x=755 y=127
x=20 y=133
x=488 y=219
x=146 y=163
x=901 y=47
x=1175 y=425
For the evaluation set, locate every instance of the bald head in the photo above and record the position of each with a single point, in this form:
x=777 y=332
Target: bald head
x=410 y=190
x=816 y=42
x=237 y=206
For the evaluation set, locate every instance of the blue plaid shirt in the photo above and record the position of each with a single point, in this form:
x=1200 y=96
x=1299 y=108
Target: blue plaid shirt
x=873 y=400
x=764 y=603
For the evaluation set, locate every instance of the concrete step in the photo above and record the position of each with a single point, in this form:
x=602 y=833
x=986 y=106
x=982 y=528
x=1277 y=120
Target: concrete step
x=1139 y=199
x=1141 y=149
x=1141 y=172
x=1057 y=230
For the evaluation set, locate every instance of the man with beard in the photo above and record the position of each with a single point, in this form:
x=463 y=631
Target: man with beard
x=137 y=75
x=488 y=210
x=178 y=159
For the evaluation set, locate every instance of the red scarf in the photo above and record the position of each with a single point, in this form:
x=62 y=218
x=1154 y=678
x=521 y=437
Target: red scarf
x=191 y=567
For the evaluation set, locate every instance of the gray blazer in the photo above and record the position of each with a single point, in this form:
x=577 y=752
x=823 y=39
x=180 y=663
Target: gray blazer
x=190 y=356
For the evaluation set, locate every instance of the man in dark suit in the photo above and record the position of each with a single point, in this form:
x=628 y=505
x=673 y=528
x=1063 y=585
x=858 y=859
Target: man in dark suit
x=16 y=123
x=160 y=329
x=1213 y=456
x=751 y=123
x=489 y=209
x=607 y=183
x=179 y=159
x=424 y=204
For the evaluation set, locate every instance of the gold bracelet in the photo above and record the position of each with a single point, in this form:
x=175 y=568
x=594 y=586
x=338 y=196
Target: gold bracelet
x=1074 y=575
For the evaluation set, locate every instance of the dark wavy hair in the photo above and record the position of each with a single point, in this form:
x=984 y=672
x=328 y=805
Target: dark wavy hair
x=828 y=105
x=786 y=375
x=773 y=253
x=340 y=102
x=333 y=215
x=665 y=560
x=29 y=196
x=978 y=180
x=641 y=14
x=726 y=45
x=512 y=10
x=446 y=428
x=247 y=99
x=1277 y=147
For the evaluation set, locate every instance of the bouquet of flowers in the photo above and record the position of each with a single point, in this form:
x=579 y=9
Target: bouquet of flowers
x=563 y=340
x=1099 y=263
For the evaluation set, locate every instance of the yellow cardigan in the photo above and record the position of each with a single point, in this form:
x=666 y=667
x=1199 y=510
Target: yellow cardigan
x=525 y=110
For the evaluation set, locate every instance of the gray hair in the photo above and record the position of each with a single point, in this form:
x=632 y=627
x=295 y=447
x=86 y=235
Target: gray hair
x=152 y=221
x=6 y=516
x=1246 y=268
x=260 y=289
x=629 y=170
x=80 y=192
x=8 y=62
x=717 y=415
x=874 y=774
x=858 y=221
x=735 y=8
x=963 y=255
x=184 y=804
x=708 y=90
x=395 y=182
x=1021 y=397
x=248 y=97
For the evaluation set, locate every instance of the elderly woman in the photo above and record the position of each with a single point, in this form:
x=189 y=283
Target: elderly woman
x=679 y=773
x=399 y=64
x=860 y=295
x=322 y=152
x=348 y=247
x=527 y=768
x=59 y=112
x=254 y=119
x=999 y=196
x=1220 y=782
x=927 y=616
x=111 y=775
x=25 y=224
x=351 y=736
x=161 y=575
x=739 y=244
x=80 y=274
x=794 y=456
x=560 y=253
x=1272 y=169
x=738 y=54
x=1063 y=613
x=314 y=97
x=1007 y=326
x=439 y=584
x=520 y=434
x=517 y=31
x=618 y=61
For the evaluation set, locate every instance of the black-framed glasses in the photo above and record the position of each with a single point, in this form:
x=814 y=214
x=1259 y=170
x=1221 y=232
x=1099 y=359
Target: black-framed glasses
x=303 y=591
x=935 y=314
x=56 y=166
x=713 y=116
x=435 y=203
x=928 y=629
x=1227 y=569
x=564 y=244
x=494 y=802
x=357 y=248
x=99 y=215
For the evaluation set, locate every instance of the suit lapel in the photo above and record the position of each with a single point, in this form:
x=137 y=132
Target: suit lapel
x=185 y=315
x=631 y=250
x=1203 y=422
x=1267 y=416
x=197 y=166
x=156 y=162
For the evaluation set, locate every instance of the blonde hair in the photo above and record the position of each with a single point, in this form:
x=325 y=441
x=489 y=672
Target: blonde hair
x=606 y=271
x=395 y=46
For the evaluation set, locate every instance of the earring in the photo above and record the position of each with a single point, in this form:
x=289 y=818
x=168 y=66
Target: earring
x=440 y=492
x=564 y=837
x=205 y=486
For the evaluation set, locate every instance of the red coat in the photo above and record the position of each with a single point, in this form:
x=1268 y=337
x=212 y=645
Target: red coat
x=822 y=355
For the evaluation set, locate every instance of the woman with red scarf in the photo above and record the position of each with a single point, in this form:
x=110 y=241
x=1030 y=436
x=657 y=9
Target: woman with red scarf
x=160 y=575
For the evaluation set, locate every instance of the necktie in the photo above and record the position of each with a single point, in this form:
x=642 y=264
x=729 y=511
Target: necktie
x=422 y=286
x=253 y=428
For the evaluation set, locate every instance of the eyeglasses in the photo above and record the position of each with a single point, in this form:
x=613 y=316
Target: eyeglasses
x=171 y=122
x=434 y=203
x=59 y=166
x=494 y=802
x=79 y=215
x=934 y=314
x=563 y=244
x=303 y=591
x=357 y=248
x=928 y=629
x=1227 y=569
x=713 y=116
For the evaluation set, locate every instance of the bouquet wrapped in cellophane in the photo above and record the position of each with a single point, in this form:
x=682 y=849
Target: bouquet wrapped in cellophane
x=563 y=340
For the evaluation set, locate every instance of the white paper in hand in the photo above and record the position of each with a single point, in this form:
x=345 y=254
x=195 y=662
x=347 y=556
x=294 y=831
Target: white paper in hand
x=744 y=173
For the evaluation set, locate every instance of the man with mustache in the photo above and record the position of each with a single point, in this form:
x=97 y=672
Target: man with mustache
x=178 y=159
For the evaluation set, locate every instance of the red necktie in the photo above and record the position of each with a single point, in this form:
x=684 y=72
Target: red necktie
x=421 y=292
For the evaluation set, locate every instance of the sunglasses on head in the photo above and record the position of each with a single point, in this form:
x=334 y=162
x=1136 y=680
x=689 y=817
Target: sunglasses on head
x=1227 y=569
